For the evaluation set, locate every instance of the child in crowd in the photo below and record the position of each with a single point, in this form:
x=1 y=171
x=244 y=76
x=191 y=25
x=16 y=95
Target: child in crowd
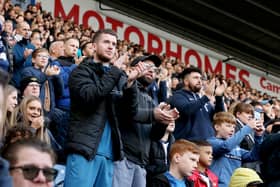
x=184 y=156
x=204 y=177
x=158 y=158
x=226 y=151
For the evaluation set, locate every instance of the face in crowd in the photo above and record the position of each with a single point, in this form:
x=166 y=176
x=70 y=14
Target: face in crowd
x=31 y=163
x=205 y=155
x=150 y=75
x=33 y=110
x=71 y=47
x=188 y=163
x=23 y=176
x=105 y=47
x=33 y=88
x=193 y=82
x=12 y=101
x=40 y=60
x=24 y=30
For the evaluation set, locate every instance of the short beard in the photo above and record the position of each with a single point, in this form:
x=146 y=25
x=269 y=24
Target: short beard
x=103 y=58
x=144 y=81
x=194 y=89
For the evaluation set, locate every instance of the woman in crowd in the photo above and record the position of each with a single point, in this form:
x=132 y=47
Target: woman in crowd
x=11 y=94
x=32 y=116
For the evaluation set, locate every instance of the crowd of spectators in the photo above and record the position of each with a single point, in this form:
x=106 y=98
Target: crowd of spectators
x=46 y=58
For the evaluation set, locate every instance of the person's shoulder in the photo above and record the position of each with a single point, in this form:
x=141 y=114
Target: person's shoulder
x=213 y=139
x=160 y=181
x=183 y=92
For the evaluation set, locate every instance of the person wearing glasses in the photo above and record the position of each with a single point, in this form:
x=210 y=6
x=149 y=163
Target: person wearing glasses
x=30 y=86
x=51 y=84
x=31 y=163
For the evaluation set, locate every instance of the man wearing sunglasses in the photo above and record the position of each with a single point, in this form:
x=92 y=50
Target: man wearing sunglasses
x=31 y=163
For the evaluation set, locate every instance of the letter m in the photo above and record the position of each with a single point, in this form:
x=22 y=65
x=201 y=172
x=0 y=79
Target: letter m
x=73 y=14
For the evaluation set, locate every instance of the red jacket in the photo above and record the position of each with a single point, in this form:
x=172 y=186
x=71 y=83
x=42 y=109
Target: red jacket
x=199 y=182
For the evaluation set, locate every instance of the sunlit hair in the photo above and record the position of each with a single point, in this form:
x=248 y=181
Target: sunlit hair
x=223 y=117
x=97 y=35
x=10 y=117
x=182 y=146
x=9 y=90
x=4 y=79
x=243 y=107
x=232 y=106
x=40 y=50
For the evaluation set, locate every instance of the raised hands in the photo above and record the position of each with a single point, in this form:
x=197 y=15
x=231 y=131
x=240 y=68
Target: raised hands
x=215 y=88
x=256 y=125
x=220 y=88
x=163 y=114
x=209 y=88
x=37 y=122
x=52 y=70
x=121 y=60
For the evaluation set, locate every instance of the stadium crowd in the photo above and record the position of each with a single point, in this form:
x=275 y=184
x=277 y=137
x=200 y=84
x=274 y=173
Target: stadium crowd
x=78 y=107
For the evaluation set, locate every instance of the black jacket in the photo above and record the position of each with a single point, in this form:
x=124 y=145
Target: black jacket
x=138 y=133
x=95 y=96
x=162 y=181
x=157 y=161
x=270 y=157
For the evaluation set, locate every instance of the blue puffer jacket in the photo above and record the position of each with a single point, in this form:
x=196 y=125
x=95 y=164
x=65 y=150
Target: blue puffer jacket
x=228 y=155
x=66 y=65
x=19 y=59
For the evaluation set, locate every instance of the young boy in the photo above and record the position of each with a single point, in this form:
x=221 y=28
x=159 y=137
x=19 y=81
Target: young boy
x=202 y=176
x=158 y=158
x=226 y=151
x=183 y=156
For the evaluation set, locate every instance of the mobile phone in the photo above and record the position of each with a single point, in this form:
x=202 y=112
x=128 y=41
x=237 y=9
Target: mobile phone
x=257 y=115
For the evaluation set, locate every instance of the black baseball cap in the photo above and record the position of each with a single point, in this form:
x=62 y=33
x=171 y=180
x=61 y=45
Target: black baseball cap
x=154 y=58
x=26 y=80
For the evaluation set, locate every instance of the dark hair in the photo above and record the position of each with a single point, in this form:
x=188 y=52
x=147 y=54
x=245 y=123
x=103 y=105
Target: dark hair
x=190 y=70
x=10 y=151
x=103 y=31
x=35 y=31
x=18 y=132
x=201 y=143
x=84 y=45
x=4 y=77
